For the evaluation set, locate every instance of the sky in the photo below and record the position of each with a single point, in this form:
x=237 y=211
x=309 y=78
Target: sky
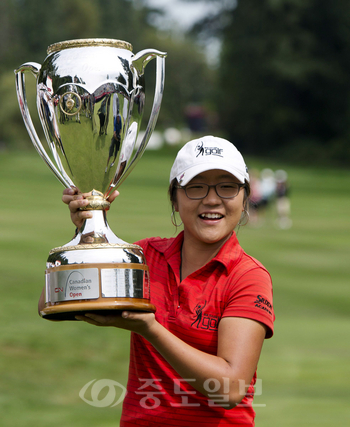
x=180 y=15
x=183 y=14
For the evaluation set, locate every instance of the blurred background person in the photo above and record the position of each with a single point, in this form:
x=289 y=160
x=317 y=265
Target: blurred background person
x=282 y=199
x=268 y=191
x=255 y=197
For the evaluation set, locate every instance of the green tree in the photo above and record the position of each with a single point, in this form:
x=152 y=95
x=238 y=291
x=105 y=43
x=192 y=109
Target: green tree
x=285 y=69
x=32 y=26
x=284 y=75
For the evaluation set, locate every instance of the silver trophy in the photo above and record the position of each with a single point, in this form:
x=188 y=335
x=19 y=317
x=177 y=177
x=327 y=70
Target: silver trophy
x=90 y=100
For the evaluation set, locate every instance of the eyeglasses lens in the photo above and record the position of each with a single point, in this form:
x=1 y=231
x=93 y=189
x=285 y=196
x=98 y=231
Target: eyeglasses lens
x=224 y=190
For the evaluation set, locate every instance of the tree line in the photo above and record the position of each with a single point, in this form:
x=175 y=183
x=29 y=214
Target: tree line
x=27 y=28
x=281 y=87
x=285 y=77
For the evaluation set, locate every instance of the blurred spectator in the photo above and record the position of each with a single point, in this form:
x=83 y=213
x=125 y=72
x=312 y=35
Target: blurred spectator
x=255 y=197
x=282 y=200
x=268 y=186
x=267 y=189
x=195 y=117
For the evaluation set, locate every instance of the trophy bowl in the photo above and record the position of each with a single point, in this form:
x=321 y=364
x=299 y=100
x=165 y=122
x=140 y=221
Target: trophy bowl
x=90 y=100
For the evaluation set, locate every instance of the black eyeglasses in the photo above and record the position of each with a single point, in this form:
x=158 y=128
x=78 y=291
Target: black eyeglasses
x=225 y=190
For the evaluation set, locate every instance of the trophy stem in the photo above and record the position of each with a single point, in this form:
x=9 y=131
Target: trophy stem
x=97 y=201
x=95 y=230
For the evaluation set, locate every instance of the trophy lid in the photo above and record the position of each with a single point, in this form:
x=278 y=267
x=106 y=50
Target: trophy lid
x=68 y=44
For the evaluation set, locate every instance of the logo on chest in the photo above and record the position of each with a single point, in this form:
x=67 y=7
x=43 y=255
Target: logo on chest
x=204 y=320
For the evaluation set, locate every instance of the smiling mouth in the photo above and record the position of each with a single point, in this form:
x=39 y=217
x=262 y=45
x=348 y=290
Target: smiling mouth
x=211 y=216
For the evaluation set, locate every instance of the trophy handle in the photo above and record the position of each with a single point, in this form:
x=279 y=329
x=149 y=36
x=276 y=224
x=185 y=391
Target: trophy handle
x=139 y=62
x=34 y=69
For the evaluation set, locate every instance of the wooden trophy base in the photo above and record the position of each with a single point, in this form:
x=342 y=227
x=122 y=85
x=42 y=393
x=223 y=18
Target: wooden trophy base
x=69 y=309
x=101 y=278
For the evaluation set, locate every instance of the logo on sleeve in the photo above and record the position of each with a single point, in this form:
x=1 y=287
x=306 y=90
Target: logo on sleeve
x=263 y=303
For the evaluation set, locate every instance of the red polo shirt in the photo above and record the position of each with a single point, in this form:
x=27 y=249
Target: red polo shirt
x=232 y=284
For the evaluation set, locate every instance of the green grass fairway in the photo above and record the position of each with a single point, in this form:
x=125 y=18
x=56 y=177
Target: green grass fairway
x=43 y=365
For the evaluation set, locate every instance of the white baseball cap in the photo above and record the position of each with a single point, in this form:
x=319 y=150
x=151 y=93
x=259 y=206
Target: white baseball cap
x=207 y=153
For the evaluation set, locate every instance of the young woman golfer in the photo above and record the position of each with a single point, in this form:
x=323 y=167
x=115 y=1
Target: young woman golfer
x=194 y=361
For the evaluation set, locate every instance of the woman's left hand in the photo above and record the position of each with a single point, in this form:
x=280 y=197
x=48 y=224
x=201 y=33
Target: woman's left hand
x=134 y=321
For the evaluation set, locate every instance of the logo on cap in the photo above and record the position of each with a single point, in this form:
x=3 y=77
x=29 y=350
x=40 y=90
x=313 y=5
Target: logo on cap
x=208 y=151
x=181 y=178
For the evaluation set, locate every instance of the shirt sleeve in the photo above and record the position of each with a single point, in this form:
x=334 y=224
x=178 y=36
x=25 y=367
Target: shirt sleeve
x=251 y=297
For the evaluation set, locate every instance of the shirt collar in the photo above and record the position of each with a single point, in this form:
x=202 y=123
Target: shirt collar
x=229 y=254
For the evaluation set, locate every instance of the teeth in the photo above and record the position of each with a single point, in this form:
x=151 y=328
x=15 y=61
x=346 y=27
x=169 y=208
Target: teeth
x=211 y=216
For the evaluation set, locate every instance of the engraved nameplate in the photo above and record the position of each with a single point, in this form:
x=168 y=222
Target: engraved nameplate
x=68 y=285
x=122 y=283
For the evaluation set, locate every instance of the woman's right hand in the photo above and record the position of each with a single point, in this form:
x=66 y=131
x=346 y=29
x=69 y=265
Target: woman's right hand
x=76 y=200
